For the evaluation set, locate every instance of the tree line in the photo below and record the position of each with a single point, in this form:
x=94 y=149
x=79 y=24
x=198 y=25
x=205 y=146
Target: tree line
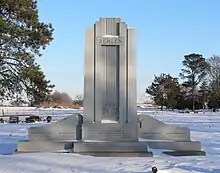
x=199 y=87
x=55 y=99
x=23 y=37
x=63 y=99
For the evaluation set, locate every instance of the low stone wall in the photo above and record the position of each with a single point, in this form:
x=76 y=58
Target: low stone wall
x=151 y=128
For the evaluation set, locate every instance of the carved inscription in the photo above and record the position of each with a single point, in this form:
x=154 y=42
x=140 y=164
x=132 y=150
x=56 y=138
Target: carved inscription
x=164 y=136
x=110 y=40
x=52 y=136
x=110 y=135
x=110 y=109
x=118 y=133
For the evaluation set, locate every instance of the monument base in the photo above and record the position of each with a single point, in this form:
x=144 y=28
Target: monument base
x=175 y=145
x=185 y=153
x=177 y=148
x=114 y=149
x=173 y=140
x=117 y=154
x=43 y=146
x=114 y=132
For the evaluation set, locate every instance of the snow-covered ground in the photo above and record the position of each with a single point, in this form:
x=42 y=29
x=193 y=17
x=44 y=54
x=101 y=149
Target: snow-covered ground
x=204 y=127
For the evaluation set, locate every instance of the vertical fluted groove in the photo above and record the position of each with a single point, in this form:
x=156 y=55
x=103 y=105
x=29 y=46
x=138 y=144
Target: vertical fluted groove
x=89 y=81
x=127 y=77
x=94 y=72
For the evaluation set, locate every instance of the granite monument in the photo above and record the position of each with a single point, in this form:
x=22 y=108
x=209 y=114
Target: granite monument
x=110 y=125
x=110 y=109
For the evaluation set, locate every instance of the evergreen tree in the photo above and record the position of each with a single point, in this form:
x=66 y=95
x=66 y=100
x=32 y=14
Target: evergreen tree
x=22 y=38
x=165 y=90
x=193 y=72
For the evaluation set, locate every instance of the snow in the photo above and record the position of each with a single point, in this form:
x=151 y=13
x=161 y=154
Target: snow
x=205 y=127
x=109 y=121
x=110 y=36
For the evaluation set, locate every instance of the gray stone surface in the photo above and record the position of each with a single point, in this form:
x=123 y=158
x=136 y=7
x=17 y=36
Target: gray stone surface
x=87 y=146
x=110 y=90
x=109 y=132
x=151 y=128
x=118 y=154
x=185 y=153
x=55 y=136
x=167 y=137
x=44 y=146
x=174 y=145
x=110 y=70
x=65 y=129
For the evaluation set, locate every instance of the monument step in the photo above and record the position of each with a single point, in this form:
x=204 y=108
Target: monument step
x=108 y=148
x=185 y=153
x=44 y=146
x=151 y=128
x=117 y=154
x=110 y=132
x=175 y=145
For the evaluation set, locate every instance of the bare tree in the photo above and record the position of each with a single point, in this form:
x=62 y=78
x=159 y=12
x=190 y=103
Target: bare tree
x=78 y=100
x=79 y=97
x=214 y=80
x=214 y=68
x=61 y=98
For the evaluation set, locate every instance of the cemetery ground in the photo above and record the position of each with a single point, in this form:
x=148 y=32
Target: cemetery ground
x=204 y=127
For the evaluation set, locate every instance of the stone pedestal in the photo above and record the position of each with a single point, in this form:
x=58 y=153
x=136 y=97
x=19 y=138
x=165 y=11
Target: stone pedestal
x=44 y=146
x=113 y=132
x=53 y=137
x=110 y=91
x=97 y=148
x=170 y=138
x=111 y=139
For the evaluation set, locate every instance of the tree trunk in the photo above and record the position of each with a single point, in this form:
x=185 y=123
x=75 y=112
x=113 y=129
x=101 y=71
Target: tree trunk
x=193 y=102
x=193 y=97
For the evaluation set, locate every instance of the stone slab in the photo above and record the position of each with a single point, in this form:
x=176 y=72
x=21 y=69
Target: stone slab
x=185 y=153
x=110 y=147
x=44 y=146
x=109 y=132
x=69 y=128
x=151 y=128
x=174 y=145
x=118 y=154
